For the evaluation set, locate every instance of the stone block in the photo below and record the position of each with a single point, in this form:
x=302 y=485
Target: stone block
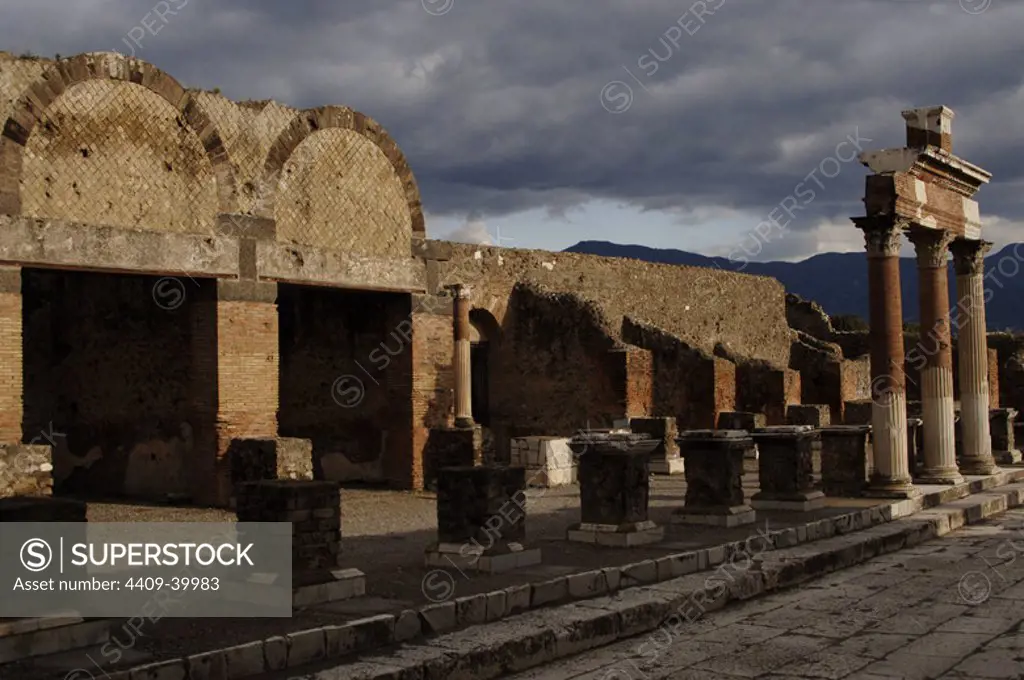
x=741 y=420
x=549 y=461
x=408 y=626
x=451 y=447
x=275 y=653
x=714 y=478
x=26 y=470
x=208 y=666
x=313 y=508
x=857 y=412
x=614 y=478
x=1004 y=445
x=844 y=460
x=915 y=445
x=244 y=661
x=253 y=460
x=485 y=505
x=617 y=535
x=786 y=468
x=815 y=415
x=306 y=647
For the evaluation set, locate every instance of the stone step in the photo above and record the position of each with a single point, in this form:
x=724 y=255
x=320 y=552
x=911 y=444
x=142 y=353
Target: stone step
x=32 y=637
x=492 y=633
x=538 y=637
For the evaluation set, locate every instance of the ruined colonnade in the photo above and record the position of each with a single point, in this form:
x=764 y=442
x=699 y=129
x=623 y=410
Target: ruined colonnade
x=925 y=192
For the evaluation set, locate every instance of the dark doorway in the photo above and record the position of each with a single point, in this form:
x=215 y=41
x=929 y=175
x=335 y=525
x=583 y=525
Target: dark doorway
x=479 y=383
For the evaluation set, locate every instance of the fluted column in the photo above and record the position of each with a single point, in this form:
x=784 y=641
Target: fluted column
x=891 y=476
x=936 y=357
x=969 y=263
x=461 y=358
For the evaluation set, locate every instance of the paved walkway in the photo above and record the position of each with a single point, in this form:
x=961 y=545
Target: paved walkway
x=951 y=608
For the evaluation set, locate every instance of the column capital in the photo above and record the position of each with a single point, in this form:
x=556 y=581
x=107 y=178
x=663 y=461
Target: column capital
x=969 y=256
x=931 y=245
x=883 y=237
x=459 y=291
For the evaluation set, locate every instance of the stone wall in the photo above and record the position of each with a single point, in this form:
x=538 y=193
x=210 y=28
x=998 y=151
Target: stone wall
x=703 y=307
x=100 y=141
x=688 y=384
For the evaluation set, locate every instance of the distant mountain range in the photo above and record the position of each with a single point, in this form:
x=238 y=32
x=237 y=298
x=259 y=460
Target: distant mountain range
x=838 y=281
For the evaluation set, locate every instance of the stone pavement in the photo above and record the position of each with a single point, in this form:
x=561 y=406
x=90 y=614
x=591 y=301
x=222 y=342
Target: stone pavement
x=950 y=608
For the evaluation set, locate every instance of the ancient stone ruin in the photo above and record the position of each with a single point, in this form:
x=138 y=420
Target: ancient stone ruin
x=183 y=273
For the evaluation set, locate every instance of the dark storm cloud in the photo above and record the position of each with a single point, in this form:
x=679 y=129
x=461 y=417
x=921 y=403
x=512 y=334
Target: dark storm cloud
x=498 y=104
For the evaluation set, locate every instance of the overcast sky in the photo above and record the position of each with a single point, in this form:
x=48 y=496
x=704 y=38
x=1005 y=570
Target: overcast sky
x=540 y=123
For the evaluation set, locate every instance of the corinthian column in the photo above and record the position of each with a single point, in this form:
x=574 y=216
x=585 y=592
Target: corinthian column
x=460 y=360
x=891 y=476
x=969 y=262
x=936 y=357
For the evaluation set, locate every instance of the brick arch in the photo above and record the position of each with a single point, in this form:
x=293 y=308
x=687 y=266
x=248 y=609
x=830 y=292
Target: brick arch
x=62 y=75
x=310 y=121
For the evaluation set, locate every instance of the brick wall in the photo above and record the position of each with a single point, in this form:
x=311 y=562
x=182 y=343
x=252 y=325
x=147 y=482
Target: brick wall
x=363 y=340
x=233 y=386
x=639 y=383
x=688 y=384
x=10 y=355
x=107 y=379
x=703 y=307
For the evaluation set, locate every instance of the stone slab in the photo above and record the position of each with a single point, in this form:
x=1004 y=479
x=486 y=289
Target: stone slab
x=618 y=539
x=728 y=520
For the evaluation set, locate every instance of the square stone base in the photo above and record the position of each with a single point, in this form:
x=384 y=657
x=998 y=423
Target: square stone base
x=734 y=516
x=457 y=555
x=669 y=466
x=809 y=501
x=611 y=535
x=340 y=584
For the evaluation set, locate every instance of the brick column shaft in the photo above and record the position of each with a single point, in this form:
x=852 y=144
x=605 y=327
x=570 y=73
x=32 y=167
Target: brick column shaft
x=935 y=348
x=11 y=361
x=235 y=378
x=969 y=261
x=891 y=477
x=461 y=358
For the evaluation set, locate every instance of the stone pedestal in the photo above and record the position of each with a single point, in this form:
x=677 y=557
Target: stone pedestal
x=451 y=447
x=714 y=478
x=548 y=461
x=314 y=510
x=252 y=460
x=786 y=468
x=914 y=443
x=817 y=416
x=1004 y=446
x=665 y=459
x=614 y=474
x=844 y=460
x=481 y=520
